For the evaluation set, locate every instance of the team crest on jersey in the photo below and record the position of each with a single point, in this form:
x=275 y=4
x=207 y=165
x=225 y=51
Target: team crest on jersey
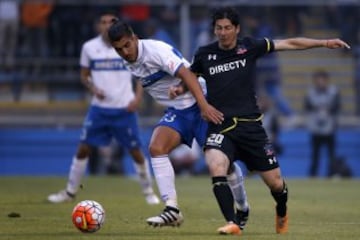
x=171 y=65
x=241 y=50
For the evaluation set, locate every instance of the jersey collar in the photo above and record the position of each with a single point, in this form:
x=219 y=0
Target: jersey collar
x=140 y=56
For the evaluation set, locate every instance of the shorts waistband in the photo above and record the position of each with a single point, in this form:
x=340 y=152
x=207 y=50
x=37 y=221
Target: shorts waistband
x=236 y=120
x=194 y=106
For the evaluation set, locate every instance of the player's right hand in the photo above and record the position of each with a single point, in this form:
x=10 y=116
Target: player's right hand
x=98 y=93
x=211 y=114
x=336 y=43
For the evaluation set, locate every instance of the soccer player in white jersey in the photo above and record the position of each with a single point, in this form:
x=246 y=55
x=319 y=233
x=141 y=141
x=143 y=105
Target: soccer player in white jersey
x=161 y=68
x=111 y=113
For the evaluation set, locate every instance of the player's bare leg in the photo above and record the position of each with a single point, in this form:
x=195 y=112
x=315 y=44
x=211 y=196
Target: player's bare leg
x=279 y=191
x=218 y=165
x=163 y=140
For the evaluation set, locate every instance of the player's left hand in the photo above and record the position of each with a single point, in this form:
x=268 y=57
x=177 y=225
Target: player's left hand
x=336 y=43
x=133 y=106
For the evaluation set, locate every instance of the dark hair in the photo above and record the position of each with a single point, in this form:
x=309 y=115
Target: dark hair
x=118 y=30
x=320 y=73
x=226 y=12
x=108 y=12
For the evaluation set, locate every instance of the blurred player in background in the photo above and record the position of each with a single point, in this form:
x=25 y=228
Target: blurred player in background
x=161 y=68
x=228 y=66
x=322 y=105
x=184 y=157
x=270 y=121
x=111 y=114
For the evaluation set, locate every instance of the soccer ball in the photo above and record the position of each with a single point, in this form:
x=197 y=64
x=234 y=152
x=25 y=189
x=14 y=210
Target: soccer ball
x=88 y=216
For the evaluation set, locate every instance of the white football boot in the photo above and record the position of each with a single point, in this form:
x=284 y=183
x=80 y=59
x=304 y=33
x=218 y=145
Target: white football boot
x=152 y=199
x=169 y=217
x=150 y=196
x=60 y=197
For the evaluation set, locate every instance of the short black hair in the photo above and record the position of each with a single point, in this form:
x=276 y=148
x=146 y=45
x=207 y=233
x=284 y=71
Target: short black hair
x=107 y=12
x=226 y=12
x=320 y=73
x=118 y=30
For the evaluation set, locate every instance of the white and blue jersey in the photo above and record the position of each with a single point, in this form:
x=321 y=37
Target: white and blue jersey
x=108 y=73
x=156 y=66
x=108 y=118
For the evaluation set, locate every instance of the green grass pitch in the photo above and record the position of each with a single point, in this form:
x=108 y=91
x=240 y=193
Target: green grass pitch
x=319 y=209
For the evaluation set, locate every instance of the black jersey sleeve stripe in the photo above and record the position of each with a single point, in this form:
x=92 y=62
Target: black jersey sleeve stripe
x=269 y=45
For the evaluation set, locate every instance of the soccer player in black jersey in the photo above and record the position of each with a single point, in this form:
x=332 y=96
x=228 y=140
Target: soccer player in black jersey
x=228 y=66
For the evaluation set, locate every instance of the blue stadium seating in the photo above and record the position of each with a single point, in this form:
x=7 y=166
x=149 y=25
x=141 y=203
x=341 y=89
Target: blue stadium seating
x=49 y=151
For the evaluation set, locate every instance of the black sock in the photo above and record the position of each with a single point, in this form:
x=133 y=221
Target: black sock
x=224 y=197
x=281 y=199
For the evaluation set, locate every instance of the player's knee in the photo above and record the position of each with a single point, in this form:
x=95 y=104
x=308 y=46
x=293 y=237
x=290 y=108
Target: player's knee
x=276 y=185
x=217 y=168
x=273 y=180
x=157 y=150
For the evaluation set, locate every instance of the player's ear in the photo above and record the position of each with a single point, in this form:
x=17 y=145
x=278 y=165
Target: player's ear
x=97 y=27
x=237 y=29
x=135 y=39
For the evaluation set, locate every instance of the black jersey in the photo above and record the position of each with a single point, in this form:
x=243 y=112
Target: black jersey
x=230 y=75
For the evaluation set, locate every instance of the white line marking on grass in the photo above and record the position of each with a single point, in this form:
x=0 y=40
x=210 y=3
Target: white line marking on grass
x=330 y=223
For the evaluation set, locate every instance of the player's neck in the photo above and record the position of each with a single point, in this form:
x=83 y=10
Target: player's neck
x=106 y=41
x=227 y=47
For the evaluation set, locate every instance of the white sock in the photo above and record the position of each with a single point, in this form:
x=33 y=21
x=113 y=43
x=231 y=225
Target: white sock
x=236 y=183
x=143 y=171
x=77 y=171
x=165 y=179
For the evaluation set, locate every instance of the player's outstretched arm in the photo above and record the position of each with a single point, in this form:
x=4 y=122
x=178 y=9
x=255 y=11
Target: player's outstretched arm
x=302 y=43
x=208 y=112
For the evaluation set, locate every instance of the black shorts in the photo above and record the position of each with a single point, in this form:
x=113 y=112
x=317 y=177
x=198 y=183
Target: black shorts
x=245 y=141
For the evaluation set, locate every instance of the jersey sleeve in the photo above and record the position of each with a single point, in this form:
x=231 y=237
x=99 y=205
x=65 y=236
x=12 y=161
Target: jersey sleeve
x=84 y=57
x=261 y=46
x=170 y=59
